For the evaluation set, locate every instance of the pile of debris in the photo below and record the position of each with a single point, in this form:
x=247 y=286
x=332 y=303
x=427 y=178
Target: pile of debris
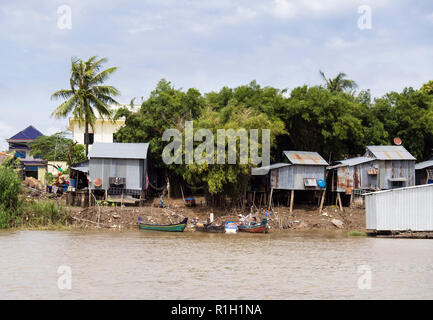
x=33 y=183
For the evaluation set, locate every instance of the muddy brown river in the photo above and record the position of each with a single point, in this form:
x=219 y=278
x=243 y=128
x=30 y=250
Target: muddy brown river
x=152 y=265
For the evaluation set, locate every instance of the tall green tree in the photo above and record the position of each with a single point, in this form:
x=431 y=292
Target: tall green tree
x=57 y=148
x=87 y=94
x=409 y=116
x=166 y=108
x=335 y=124
x=339 y=83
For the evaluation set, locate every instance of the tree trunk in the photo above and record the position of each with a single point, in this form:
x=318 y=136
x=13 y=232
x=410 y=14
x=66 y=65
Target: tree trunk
x=86 y=138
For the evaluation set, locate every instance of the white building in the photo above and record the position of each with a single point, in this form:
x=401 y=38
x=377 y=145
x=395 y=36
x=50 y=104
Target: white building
x=103 y=131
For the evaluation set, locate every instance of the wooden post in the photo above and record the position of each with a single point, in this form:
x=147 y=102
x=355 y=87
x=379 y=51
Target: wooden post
x=106 y=195
x=270 y=199
x=183 y=197
x=322 y=200
x=292 y=198
x=351 y=200
x=90 y=197
x=339 y=201
x=254 y=198
x=121 y=200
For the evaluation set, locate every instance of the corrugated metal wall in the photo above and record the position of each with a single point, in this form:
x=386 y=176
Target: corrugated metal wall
x=400 y=209
x=392 y=169
x=131 y=169
x=292 y=177
x=357 y=177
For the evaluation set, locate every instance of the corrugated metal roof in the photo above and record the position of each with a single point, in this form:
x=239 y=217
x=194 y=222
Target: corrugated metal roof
x=390 y=153
x=119 y=150
x=265 y=169
x=305 y=157
x=423 y=165
x=351 y=162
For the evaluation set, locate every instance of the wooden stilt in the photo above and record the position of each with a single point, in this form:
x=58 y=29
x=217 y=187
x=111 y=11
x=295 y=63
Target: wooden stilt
x=339 y=201
x=90 y=197
x=292 y=198
x=270 y=199
x=288 y=198
x=351 y=200
x=322 y=201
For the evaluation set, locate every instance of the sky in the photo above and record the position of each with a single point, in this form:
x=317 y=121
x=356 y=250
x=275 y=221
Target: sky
x=206 y=44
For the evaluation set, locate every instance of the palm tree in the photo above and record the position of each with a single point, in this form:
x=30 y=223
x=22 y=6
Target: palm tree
x=339 y=83
x=87 y=94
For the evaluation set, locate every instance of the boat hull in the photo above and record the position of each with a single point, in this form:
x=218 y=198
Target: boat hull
x=259 y=228
x=167 y=228
x=210 y=229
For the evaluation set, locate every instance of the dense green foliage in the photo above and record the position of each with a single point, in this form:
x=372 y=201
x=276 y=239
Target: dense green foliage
x=87 y=94
x=58 y=148
x=330 y=119
x=16 y=212
x=10 y=187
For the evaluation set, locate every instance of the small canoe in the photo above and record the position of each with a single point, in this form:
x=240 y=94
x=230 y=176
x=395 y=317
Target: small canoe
x=208 y=227
x=179 y=227
x=255 y=228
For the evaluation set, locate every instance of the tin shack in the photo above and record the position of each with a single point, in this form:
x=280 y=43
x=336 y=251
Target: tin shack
x=424 y=172
x=301 y=171
x=118 y=168
x=381 y=168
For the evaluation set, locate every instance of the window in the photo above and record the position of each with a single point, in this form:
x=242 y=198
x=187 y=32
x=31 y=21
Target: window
x=90 y=138
x=397 y=184
x=20 y=154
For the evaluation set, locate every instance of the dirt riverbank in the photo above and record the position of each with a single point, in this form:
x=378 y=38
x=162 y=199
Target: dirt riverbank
x=303 y=218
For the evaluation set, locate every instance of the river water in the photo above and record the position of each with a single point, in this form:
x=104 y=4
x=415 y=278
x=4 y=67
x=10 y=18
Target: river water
x=153 y=265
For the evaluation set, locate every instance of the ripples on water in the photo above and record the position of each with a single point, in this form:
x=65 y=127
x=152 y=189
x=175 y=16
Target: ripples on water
x=154 y=265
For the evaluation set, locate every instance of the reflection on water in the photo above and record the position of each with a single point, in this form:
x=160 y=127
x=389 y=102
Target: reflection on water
x=154 y=265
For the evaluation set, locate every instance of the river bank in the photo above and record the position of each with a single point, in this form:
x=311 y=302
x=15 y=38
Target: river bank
x=304 y=217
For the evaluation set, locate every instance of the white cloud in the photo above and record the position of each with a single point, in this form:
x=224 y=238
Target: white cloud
x=430 y=17
x=6 y=131
x=339 y=43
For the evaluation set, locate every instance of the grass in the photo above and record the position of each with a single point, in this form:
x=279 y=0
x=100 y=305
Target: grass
x=356 y=233
x=44 y=213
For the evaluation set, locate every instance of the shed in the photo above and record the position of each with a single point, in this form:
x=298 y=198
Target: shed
x=301 y=171
x=118 y=168
x=424 y=172
x=381 y=168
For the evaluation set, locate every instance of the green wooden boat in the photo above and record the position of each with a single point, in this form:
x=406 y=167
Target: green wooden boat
x=178 y=227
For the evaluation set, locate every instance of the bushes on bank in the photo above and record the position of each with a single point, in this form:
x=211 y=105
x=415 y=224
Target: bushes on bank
x=44 y=213
x=10 y=204
x=15 y=212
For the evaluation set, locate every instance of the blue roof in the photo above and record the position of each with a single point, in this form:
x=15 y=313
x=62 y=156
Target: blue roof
x=29 y=133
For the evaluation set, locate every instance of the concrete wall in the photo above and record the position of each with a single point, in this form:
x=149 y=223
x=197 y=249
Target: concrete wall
x=104 y=130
